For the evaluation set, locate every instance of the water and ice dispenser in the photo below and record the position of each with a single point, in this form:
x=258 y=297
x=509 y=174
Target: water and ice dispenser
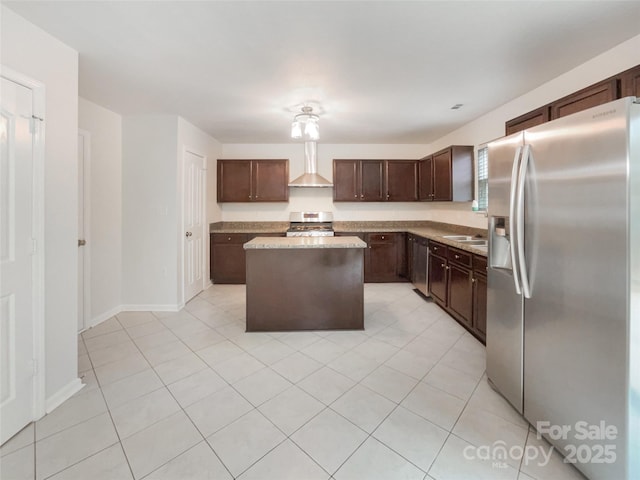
x=499 y=243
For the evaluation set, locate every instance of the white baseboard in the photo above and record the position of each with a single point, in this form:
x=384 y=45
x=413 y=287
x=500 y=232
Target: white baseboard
x=63 y=394
x=151 y=308
x=104 y=316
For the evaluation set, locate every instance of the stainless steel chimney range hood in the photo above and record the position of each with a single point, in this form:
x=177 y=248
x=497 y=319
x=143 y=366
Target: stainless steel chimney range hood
x=310 y=177
x=306 y=126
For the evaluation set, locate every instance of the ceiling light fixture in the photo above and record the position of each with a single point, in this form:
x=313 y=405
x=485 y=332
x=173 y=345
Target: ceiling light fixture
x=305 y=125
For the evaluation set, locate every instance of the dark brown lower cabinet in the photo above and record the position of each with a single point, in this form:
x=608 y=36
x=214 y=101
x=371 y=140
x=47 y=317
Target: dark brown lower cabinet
x=227 y=257
x=438 y=277
x=457 y=286
x=385 y=258
x=461 y=293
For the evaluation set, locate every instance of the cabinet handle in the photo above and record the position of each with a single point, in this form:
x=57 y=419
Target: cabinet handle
x=387 y=195
x=355 y=196
x=473 y=280
x=435 y=249
x=457 y=256
x=361 y=195
x=382 y=237
x=229 y=238
x=442 y=265
x=446 y=268
x=249 y=197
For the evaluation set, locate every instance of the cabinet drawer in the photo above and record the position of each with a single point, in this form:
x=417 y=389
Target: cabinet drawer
x=229 y=238
x=480 y=264
x=460 y=257
x=438 y=249
x=382 y=237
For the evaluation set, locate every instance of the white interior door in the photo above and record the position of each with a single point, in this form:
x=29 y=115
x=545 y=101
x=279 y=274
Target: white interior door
x=17 y=247
x=193 y=225
x=81 y=242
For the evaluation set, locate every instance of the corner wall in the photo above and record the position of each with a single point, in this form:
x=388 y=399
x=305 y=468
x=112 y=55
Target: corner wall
x=29 y=50
x=105 y=234
x=149 y=212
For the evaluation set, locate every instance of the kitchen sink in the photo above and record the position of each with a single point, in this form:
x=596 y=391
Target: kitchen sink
x=458 y=238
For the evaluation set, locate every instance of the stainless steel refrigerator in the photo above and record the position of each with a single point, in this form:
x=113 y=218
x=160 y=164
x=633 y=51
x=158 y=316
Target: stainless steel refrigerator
x=563 y=312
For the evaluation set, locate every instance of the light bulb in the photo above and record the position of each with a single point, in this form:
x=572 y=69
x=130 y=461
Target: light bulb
x=312 y=130
x=296 y=130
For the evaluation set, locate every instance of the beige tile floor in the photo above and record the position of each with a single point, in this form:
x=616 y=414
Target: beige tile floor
x=190 y=395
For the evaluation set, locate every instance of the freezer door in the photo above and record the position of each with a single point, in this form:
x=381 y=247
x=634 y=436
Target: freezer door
x=504 y=303
x=575 y=330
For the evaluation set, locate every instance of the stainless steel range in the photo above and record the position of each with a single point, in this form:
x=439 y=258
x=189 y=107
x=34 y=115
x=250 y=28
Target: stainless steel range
x=310 y=224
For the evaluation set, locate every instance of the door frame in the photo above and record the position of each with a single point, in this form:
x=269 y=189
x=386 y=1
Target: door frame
x=37 y=262
x=185 y=150
x=86 y=210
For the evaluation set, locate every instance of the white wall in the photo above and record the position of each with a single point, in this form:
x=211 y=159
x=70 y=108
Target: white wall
x=322 y=198
x=149 y=212
x=105 y=234
x=191 y=138
x=33 y=52
x=491 y=125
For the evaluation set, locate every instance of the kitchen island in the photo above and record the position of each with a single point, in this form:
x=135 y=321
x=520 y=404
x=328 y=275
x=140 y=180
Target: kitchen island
x=305 y=283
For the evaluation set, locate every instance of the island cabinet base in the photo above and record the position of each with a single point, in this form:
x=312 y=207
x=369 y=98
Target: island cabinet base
x=305 y=289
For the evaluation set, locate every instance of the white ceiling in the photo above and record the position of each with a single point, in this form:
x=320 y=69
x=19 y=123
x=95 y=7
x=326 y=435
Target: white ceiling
x=382 y=71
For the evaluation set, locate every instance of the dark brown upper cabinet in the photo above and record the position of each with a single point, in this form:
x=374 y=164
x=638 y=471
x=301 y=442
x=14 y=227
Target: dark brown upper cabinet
x=592 y=96
x=528 y=120
x=375 y=180
x=372 y=181
x=402 y=180
x=630 y=83
x=447 y=175
x=624 y=84
x=253 y=180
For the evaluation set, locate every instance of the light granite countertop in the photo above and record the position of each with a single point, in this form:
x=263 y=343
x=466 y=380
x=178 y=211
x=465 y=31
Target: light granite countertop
x=261 y=243
x=427 y=229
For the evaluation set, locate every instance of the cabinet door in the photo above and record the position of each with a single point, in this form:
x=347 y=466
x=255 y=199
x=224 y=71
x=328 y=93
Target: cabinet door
x=438 y=279
x=630 y=83
x=372 y=187
x=381 y=261
x=592 y=96
x=528 y=120
x=480 y=305
x=270 y=180
x=345 y=181
x=228 y=258
x=442 y=176
x=425 y=179
x=234 y=181
x=461 y=293
x=402 y=180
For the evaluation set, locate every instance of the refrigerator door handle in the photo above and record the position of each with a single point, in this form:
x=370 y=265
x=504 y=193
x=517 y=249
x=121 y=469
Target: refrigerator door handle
x=512 y=220
x=522 y=264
